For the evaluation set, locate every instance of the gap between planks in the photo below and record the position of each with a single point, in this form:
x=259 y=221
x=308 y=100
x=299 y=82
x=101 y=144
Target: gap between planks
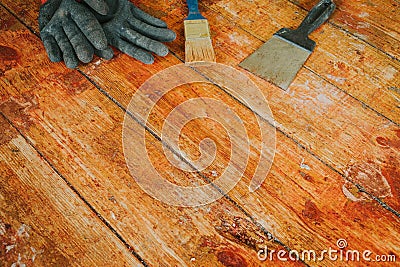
x=56 y=181
x=100 y=88
x=318 y=75
x=76 y=192
x=348 y=32
x=297 y=142
x=102 y=219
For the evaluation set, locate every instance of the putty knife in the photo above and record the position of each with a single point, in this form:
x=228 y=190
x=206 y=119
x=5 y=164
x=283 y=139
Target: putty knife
x=281 y=57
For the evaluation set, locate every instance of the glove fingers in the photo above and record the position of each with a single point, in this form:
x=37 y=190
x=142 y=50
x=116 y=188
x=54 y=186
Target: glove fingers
x=81 y=45
x=159 y=34
x=52 y=49
x=134 y=51
x=145 y=42
x=70 y=59
x=141 y=15
x=90 y=27
x=47 y=11
x=100 y=6
x=107 y=53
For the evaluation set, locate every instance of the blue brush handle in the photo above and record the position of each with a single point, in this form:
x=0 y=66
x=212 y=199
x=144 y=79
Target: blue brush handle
x=194 y=12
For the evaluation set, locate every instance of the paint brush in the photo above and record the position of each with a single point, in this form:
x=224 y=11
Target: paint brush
x=198 y=45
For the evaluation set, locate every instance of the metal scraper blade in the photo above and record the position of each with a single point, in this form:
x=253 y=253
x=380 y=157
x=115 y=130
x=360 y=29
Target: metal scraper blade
x=278 y=61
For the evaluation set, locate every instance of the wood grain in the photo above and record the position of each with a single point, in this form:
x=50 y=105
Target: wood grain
x=79 y=130
x=315 y=113
x=320 y=117
x=302 y=204
x=42 y=221
x=375 y=22
x=347 y=62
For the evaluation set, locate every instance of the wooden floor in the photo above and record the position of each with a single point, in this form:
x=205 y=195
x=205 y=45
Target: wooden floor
x=67 y=197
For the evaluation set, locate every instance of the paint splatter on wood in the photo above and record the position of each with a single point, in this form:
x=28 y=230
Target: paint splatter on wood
x=231 y=259
x=312 y=212
x=9 y=59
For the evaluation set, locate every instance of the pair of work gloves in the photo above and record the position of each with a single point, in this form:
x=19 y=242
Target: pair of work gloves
x=74 y=31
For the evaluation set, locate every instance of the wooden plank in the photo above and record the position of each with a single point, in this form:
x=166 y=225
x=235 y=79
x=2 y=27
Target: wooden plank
x=79 y=131
x=296 y=226
x=352 y=65
x=108 y=71
x=319 y=116
x=375 y=22
x=26 y=9
x=42 y=221
x=285 y=186
x=345 y=61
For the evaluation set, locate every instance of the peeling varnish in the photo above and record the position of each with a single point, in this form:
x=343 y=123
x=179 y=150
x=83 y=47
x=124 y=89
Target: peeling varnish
x=18 y=263
x=244 y=232
x=389 y=73
x=324 y=99
x=9 y=248
x=349 y=194
x=238 y=39
x=14 y=243
x=35 y=253
x=339 y=80
x=2 y=228
x=363 y=15
x=363 y=25
x=23 y=231
x=370 y=177
x=304 y=166
x=228 y=8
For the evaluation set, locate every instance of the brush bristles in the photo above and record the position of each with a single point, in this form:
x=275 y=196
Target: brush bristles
x=199 y=50
x=198 y=45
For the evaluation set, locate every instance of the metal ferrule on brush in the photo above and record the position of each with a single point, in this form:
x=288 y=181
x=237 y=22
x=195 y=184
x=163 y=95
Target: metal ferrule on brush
x=196 y=29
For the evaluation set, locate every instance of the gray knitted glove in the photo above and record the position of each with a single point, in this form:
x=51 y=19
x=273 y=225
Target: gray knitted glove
x=135 y=32
x=70 y=31
x=100 y=6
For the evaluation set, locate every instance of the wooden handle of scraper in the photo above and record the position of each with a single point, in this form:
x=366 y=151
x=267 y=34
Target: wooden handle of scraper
x=194 y=12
